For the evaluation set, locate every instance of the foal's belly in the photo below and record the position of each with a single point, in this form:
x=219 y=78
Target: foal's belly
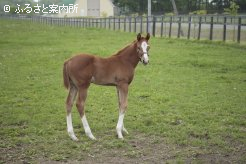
x=112 y=80
x=103 y=81
x=111 y=74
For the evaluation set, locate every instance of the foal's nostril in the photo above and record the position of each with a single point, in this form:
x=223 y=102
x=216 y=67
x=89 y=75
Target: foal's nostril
x=145 y=62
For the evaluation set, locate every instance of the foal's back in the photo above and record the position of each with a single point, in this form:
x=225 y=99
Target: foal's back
x=80 y=67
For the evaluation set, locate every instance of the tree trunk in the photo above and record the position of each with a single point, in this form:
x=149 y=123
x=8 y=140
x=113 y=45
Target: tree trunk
x=174 y=7
x=175 y=10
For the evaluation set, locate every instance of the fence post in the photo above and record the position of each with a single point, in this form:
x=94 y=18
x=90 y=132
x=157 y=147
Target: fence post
x=211 y=28
x=224 y=30
x=114 y=23
x=147 y=29
x=135 y=24
x=119 y=23
x=130 y=24
x=199 y=28
x=239 y=30
x=162 y=26
x=141 y=24
x=100 y=20
x=125 y=24
x=170 y=29
x=109 y=23
x=179 y=27
x=189 y=25
x=154 y=23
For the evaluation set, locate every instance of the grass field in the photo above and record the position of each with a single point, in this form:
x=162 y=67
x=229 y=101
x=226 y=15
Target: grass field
x=188 y=105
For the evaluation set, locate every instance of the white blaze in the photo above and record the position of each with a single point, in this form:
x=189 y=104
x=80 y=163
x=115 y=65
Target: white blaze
x=145 y=57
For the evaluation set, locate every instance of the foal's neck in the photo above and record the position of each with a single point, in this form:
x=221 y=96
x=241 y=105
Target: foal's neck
x=129 y=54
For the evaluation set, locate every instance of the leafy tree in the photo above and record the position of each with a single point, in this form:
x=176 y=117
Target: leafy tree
x=183 y=6
x=242 y=5
x=232 y=10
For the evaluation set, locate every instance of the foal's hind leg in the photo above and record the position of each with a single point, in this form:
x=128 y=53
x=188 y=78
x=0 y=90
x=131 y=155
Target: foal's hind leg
x=69 y=104
x=80 y=106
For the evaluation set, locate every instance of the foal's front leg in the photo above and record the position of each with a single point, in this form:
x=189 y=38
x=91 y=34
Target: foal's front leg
x=122 y=91
x=80 y=106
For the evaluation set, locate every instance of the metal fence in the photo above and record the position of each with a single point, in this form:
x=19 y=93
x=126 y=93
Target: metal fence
x=209 y=27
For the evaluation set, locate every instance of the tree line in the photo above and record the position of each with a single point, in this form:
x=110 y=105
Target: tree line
x=160 y=7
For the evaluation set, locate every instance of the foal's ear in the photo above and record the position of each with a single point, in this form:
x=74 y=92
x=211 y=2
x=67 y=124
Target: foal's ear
x=139 y=37
x=147 y=36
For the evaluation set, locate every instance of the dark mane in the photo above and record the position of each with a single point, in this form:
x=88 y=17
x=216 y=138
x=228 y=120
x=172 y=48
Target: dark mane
x=123 y=49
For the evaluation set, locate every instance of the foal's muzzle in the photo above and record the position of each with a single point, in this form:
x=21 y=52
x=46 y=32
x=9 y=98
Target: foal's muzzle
x=144 y=58
x=145 y=63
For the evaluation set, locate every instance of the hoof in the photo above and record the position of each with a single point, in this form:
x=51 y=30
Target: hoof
x=73 y=137
x=91 y=136
x=121 y=138
x=124 y=130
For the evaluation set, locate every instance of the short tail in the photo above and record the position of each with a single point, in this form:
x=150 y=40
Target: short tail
x=66 y=76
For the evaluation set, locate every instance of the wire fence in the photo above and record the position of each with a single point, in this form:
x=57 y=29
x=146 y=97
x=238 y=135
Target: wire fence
x=208 y=27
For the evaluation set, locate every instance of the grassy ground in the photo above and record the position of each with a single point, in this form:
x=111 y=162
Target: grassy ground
x=188 y=105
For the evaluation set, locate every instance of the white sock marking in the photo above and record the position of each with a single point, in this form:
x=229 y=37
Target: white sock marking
x=70 y=127
x=119 y=126
x=87 y=128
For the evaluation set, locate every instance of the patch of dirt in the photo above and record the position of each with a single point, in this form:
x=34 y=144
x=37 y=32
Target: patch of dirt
x=140 y=148
x=153 y=149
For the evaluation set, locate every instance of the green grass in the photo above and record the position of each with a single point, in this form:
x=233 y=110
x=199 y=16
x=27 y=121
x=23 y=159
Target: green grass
x=188 y=104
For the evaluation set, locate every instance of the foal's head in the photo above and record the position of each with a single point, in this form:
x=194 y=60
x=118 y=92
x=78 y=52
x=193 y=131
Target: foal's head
x=143 y=48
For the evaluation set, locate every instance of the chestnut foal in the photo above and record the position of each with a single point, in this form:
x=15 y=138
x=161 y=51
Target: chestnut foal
x=117 y=70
